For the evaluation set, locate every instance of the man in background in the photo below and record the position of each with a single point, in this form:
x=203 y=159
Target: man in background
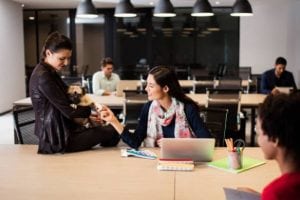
x=277 y=77
x=105 y=81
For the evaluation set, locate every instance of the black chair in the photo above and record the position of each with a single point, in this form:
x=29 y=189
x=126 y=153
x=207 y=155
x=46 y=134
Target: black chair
x=221 y=70
x=182 y=72
x=202 y=82
x=89 y=84
x=229 y=99
x=245 y=73
x=230 y=83
x=24 y=121
x=134 y=101
x=215 y=120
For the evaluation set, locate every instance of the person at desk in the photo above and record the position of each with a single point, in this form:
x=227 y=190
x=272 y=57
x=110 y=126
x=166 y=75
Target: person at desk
x=105 y=81
x=277 y=77
x=278 y=128
x=54 y=116
x=168 y=113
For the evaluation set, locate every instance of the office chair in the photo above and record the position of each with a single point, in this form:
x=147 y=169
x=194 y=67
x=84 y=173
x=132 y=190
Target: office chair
x=24 y=121
x=89 y=84
x=229 y=83
x=229 y=99
x=245 y=73
x=215 y=120
x=202 y=82
x=133 y=104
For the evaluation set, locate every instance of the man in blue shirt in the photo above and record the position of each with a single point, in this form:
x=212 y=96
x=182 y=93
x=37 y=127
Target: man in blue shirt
x=277 y=77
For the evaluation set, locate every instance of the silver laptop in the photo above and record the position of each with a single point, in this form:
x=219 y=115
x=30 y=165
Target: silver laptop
x=198 y=149
x=285 y=90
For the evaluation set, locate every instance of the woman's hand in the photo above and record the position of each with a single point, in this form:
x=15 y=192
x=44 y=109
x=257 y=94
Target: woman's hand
x=158 y=142
x=95 y=117
x=108 y=116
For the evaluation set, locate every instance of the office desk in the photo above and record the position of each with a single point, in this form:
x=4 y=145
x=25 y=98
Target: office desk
x=103 y=174
x=207 y=183
x=247 y=100
x=115 y=102
x=97 y=174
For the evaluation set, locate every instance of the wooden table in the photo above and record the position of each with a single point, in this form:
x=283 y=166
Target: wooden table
x=115 y=102
x=102 y=174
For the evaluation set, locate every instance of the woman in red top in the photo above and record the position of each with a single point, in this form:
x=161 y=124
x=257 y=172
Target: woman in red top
x=278 y=131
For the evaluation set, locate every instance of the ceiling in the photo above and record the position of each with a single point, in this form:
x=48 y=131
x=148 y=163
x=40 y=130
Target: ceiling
x=44 y=4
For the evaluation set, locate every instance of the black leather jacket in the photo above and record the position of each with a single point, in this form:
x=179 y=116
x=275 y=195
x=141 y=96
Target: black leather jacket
x=53 y=112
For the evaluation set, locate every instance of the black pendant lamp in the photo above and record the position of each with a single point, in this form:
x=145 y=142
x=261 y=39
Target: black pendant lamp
x=164 y=8
x=202 y=8
x=241 y=8
x=86 y=9
x=125 y=9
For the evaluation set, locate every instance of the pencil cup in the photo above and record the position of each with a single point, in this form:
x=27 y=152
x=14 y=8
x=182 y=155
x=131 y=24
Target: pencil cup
x=235 y=160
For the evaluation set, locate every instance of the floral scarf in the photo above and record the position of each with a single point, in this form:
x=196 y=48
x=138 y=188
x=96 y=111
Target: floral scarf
x=158 y=118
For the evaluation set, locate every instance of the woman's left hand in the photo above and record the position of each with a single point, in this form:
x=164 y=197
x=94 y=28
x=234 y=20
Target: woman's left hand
x=158 y=142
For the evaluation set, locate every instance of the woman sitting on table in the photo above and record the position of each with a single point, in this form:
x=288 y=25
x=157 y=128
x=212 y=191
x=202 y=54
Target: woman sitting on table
x=169 y=113
x=278 y=131
x=54 y=116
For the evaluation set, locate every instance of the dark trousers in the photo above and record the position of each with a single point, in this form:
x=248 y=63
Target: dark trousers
x=106 y=136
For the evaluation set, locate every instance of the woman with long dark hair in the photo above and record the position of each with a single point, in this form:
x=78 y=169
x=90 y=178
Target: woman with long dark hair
x=54 y=117
x=168 y=114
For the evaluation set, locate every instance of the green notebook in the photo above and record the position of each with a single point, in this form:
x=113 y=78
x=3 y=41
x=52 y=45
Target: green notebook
x=248 y=163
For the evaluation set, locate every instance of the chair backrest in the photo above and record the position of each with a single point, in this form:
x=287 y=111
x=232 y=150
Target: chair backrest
x=89 y=84
x=215 y=120
x=226 y=99
x=24 y=121
x=133 y=103
x=182 y=72
x=229 y=83
x=245 y=73
x=221 y=70
x=203 y=82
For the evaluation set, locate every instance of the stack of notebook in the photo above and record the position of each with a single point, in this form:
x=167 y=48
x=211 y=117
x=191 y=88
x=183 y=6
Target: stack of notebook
x=165 y=164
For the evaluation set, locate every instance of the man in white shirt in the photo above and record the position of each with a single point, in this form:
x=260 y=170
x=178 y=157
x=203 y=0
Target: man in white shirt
x=105 y=81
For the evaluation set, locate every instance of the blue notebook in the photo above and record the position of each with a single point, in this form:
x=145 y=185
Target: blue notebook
x=147 y=154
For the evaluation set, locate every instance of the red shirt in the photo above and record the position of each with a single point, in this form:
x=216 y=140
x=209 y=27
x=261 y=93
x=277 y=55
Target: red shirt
x=285 y=187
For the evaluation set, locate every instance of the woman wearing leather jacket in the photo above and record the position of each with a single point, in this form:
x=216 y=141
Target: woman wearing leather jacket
x=54 y=125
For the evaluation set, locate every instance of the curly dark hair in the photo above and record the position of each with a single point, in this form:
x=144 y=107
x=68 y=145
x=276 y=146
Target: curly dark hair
x=280 y=119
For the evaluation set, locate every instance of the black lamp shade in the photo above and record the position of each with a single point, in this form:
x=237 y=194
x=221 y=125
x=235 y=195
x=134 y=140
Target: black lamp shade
x=202 y=8
x=125 y=9
x=164 y=8
x=86 y=9
x=241 y=8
